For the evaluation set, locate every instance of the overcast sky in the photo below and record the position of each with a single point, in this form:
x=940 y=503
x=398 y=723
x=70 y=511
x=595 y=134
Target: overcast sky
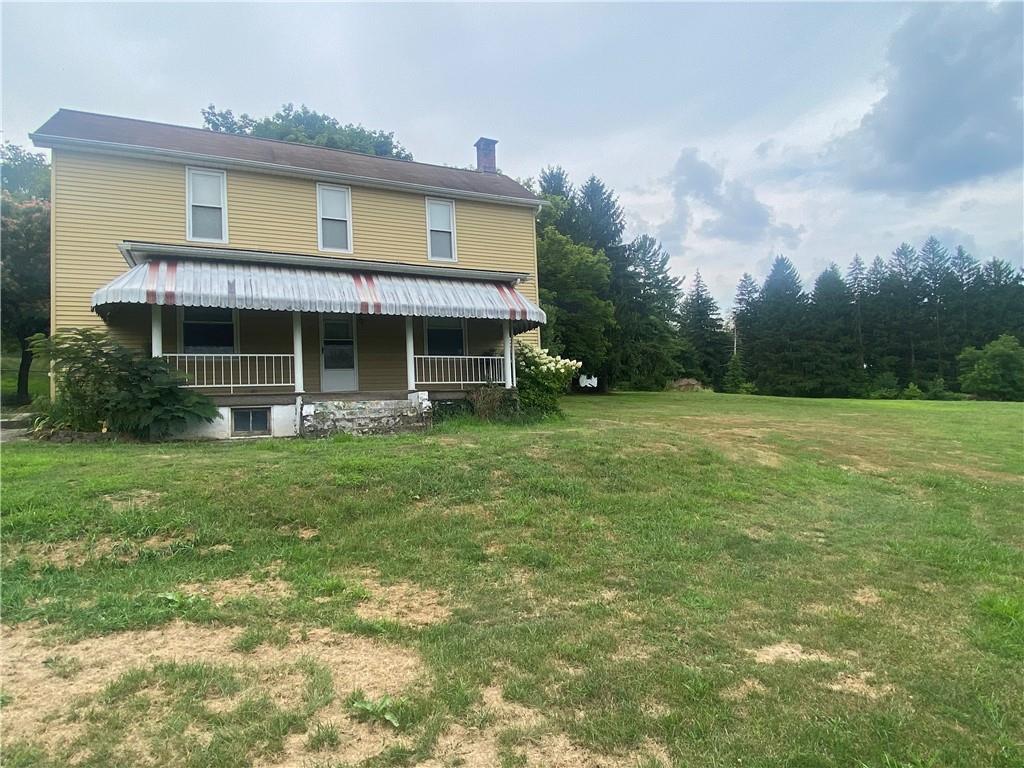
x=732 y=132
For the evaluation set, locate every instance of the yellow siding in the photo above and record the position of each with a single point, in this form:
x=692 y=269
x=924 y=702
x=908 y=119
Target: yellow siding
x=101 y=200
x=381 y=347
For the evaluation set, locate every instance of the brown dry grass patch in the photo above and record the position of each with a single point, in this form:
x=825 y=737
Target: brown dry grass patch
x=743 y=689
x=860 y=685
x=76 y=553
x=792 y=653
x=402 y=602
x=41 y=700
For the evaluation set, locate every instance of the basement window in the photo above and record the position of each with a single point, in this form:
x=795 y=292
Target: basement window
x=246 y=422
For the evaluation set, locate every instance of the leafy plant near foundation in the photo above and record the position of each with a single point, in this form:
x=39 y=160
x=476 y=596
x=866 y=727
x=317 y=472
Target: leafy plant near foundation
x=102 y=385
x=541 y=379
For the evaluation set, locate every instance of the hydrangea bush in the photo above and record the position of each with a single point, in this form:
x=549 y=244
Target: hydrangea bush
x=542 y=378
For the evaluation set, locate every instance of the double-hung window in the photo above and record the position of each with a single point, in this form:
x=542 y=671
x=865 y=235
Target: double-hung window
x=207 y=331
x=334 y=212
x=440 y=230
x=207 y=213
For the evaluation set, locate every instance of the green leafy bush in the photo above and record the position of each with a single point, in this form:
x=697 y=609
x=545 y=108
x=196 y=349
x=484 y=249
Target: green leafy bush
x=995 y=372
x=885 y=386
x=541 y=379
x=936 y=390
x=912 y=392
x=101 y=384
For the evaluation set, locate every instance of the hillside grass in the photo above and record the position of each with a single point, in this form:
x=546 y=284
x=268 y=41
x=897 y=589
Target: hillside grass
x=656 y=579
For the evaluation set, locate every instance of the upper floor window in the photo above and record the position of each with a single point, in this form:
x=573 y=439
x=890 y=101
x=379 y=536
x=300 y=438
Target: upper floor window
x=334 y=211
x=207 y=205
x=440 y=230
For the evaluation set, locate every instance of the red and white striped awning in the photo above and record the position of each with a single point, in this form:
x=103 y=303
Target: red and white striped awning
x=247 y=285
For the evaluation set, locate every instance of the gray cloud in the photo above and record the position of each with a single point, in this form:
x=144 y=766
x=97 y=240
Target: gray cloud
x=952 y=109
x=738 y=215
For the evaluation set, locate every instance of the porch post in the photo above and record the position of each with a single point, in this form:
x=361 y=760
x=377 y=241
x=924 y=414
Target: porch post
x=300 y=385
x=506 y=336
x=410 y=357
x=157 y=330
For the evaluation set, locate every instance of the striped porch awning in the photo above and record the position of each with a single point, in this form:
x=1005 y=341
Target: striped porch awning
x=247 y=285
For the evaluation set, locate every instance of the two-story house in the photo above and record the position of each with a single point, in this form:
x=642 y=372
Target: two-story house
x=303 y=288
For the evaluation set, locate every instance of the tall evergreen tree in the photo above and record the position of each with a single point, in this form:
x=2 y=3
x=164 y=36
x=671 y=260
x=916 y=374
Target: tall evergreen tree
x=777 y=351
x=934 y=267
x=902 y=291
x=857 y=285
x=647 y=344
x=834 y=368
x=702 y=324
x=748 y=294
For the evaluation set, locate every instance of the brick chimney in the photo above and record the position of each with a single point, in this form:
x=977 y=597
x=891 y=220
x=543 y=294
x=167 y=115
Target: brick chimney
x=485 y=161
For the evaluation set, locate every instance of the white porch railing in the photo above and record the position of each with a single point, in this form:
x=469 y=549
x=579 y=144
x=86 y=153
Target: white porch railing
x=235 y=371
x=432 y=370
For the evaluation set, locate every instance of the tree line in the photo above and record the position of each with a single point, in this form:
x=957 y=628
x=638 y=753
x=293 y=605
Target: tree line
x=895 y=326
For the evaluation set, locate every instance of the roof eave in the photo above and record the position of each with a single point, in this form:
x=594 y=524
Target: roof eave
x=57 y=142
x=135 y=252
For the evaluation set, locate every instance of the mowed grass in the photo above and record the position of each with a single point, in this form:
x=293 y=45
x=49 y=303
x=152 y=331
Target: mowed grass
x=661 y=579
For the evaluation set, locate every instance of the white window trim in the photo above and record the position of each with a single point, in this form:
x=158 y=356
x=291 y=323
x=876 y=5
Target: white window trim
x=181 y=331
x=320 y=220
x=455 y=247
x=223 y=209
x=465 y=335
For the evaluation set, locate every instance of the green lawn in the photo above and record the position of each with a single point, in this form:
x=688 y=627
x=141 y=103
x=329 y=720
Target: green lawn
x=38 y=380
x=656 y=579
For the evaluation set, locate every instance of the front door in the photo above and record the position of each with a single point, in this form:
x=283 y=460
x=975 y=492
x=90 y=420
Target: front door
x=338 y=354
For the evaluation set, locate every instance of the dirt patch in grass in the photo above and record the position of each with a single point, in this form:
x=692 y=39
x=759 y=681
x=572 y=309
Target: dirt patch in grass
x=757 y=533
x=787 y=652
x=866 y=596
x=402 y=602
x=478 y=743
x=299 y=532
x=860 y=685
x=357 y=742
x=137 y=499
x=38 y=695
x=239 y=588
x=76 y=553
x=743 y=689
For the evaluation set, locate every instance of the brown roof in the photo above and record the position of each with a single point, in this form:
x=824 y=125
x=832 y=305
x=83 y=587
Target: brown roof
x=143 y=135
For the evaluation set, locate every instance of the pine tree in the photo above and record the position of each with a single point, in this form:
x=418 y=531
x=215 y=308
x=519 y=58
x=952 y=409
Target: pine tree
x=934 y=268
x=903 y=293
x=834 y=368
x=735 y=380
x=702 y=324
x=857 y=284
x=748 y=294
x=778 y=353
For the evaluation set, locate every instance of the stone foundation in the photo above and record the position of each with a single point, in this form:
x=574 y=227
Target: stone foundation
x=364 y=417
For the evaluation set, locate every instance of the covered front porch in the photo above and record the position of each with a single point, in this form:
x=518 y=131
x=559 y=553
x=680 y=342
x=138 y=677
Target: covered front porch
x=278 y=338
x=242 y=353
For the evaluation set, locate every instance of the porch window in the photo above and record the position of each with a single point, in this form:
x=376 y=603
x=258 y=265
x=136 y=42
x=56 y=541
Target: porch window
x=207 y=331
x=334 y=210
x=207 y=205
x=445 y=336
x=440 y=230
